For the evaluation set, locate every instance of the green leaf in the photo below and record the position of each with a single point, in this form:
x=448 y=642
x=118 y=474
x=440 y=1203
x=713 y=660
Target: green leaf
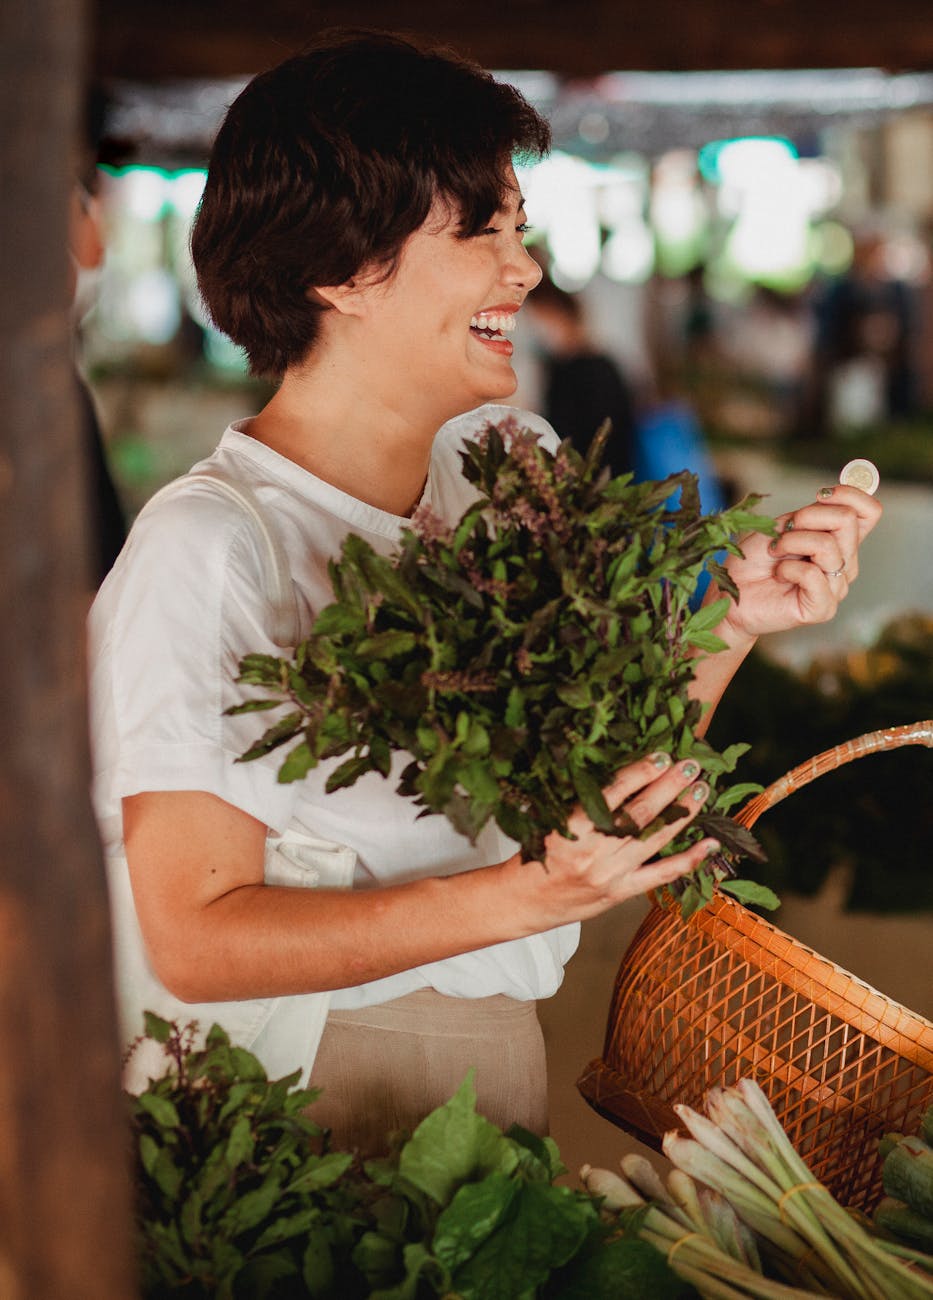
x=283 y=1229
x=515 y=708
x=737 y=839
x=148 y=1152
x=418 y=1262
x=478 y=780
x=546 y=1228
x=544 y=1150
x=577 y=694
x=252 y=706
x=348 y=773
x=708 y=616
x=751 y=893
x=623 y=1269
x=454 y=1145
x=737 y=794
x=298 y=764
x=161 y=1109
x=167 y=1176
x=476 y=1210
x=706 y=641
x=282 y=731
x=386 y=645
x=377 y=1257
x=250 y=1209
x=592 y=799
x=321 y=1172
x=260 y=1277
x=317 y=1267
x=336 y=620
x=189 y=1219
x=156 y=1028
x=240 y=1144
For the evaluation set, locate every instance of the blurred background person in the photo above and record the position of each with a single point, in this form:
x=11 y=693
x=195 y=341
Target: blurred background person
x=86 y=255
x=582 y=385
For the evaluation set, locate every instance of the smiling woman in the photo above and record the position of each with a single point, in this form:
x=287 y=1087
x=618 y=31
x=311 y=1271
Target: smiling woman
x=361 y=237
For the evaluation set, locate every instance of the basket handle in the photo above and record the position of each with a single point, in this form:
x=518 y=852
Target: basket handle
x=873 y=742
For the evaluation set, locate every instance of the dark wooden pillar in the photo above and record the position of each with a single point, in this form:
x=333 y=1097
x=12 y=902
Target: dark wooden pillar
x=65 y=1225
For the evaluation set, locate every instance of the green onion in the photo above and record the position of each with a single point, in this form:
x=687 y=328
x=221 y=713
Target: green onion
x=741 y=1204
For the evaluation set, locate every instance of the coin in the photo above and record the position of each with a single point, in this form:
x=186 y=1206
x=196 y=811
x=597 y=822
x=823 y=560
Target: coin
x=861 y=474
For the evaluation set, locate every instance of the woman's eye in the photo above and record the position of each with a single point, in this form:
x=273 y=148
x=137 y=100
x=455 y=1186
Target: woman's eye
x=491 y=230
x=524 y=227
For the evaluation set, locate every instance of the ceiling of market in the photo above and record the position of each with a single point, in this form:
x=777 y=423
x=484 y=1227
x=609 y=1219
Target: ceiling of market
x=150 y=40
x=172 y=68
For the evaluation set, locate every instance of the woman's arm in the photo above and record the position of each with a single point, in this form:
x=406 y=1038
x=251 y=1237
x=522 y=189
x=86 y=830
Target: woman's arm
x=797 y=578
x=214 y=931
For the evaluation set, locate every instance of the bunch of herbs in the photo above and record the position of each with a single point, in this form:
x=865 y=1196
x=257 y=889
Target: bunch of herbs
x=522 y=656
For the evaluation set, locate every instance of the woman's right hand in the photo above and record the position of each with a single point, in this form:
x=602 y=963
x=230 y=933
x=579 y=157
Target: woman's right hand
x=585 y=876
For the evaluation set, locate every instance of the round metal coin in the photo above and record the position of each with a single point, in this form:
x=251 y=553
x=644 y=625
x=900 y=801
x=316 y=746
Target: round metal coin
x=861 y=474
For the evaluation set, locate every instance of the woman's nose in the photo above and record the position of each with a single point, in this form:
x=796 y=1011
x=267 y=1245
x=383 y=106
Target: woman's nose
x=522 y=269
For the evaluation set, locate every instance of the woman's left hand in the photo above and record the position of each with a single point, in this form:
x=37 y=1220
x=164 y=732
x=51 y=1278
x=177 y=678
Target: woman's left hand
x=801 y=575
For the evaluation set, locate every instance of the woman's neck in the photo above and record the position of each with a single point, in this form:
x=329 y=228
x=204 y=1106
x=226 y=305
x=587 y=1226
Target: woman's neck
x=349 y=439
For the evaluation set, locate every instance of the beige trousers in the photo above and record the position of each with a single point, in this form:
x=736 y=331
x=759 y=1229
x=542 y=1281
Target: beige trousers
x=384 y=1068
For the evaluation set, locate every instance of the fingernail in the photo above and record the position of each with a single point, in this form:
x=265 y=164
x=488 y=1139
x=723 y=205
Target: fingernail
x=789 y=526
x=690 y=768
x=711 y=846
x=825 y=493
x=659 y=760
x=699 y=791
x=772 y=545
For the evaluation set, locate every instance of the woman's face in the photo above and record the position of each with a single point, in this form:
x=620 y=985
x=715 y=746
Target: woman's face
x=441 y=322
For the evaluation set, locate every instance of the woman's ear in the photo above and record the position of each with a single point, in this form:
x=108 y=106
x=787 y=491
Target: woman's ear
x=343 y=298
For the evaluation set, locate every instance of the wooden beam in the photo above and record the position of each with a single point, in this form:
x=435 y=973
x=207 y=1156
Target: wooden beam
x=65 y=1196
x=148 y=39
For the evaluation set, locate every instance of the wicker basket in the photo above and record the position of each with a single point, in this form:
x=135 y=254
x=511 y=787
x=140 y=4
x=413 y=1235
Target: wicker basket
x=726 y=995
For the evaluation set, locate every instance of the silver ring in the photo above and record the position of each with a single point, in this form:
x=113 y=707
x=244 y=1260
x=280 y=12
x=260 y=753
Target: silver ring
x=835 y=573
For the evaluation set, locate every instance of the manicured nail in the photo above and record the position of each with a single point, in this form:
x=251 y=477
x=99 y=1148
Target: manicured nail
x=690 y=768
x=660 y=760
x=699 y=791
x=711 y=846
x=772 y=545
x=789 y=526
x=825 y=493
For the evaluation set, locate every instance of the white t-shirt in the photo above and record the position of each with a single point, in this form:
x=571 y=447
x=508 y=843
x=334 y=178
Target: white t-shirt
x=185 y=602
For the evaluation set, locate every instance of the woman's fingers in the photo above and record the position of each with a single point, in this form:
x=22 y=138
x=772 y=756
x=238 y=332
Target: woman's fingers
x=827 y=551
x=692 y=801
x=867 y=509
x=642 y=789
x=654 y=875
x=634 y=776
x=594 y=871
x=644 y=807
x=842 y=517
x=817 y=596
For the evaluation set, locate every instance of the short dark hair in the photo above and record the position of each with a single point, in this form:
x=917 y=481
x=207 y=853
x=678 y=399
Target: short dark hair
x=328 y=162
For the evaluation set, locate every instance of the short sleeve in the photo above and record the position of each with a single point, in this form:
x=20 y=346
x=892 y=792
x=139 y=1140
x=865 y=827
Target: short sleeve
x=184 y=605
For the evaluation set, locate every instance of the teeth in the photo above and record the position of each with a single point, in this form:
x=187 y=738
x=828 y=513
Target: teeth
x=495 y=322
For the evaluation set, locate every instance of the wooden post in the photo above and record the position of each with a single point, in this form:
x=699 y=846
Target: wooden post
x=65 y=1191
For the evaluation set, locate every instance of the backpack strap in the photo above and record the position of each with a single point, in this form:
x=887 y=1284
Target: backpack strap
x=284 y=629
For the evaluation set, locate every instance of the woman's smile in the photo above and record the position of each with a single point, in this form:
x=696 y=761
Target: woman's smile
x=490 y=326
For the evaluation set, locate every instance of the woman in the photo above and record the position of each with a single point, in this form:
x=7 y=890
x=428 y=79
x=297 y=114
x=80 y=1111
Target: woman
x=361 y=237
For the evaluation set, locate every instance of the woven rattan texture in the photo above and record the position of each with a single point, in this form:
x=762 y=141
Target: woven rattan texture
x=726 y=995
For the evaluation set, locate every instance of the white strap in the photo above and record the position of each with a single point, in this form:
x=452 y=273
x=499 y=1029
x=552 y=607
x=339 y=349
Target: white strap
x=277 y=581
